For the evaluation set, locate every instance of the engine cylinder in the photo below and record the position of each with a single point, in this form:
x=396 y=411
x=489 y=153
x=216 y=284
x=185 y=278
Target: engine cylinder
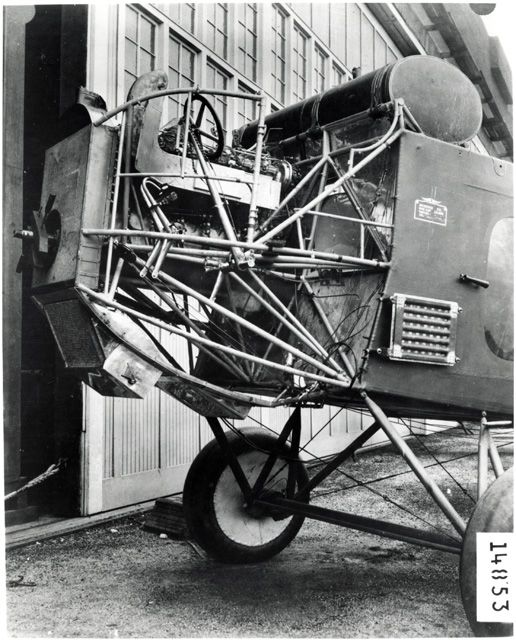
x=441 y=98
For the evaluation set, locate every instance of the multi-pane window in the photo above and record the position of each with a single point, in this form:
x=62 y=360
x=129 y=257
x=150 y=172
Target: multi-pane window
x=182 y=13
x=278 y=54
x=216 y=79
x=140 y=46
x=246 y=39
x=320 y=59
x=217 y=27
x=391 y=55
x=246 y=110
x=181 y=72
x=299 y=63
x=338 y=76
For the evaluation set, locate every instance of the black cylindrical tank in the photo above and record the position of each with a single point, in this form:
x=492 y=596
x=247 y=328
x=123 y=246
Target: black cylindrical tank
x=441 y=98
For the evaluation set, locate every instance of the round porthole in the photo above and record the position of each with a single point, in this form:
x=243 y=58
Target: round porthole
x=498 y=302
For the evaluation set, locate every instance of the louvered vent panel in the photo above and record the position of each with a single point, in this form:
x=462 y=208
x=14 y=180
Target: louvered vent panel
x=423 y=330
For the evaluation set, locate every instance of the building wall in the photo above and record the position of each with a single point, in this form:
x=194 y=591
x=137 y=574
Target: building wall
x=453 y=31
x=290 y=51
x=287 y=50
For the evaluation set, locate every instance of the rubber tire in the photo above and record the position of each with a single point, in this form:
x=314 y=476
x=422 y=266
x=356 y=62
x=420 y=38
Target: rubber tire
x=493 y=512
x=198 y=501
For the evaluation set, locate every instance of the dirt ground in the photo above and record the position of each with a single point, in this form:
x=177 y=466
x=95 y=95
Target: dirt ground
x=119 y=580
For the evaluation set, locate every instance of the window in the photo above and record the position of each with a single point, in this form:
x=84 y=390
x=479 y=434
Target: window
x=182 y=13
x=246 y=108
x=278 y=54
x=299 y=65
x=216 y=79
x=140 y=46
x=217 y=31
x=246 y=39
x=181 y=72
x=338 y=76
x=498 y=327
x=320 y=59
x=391 y=56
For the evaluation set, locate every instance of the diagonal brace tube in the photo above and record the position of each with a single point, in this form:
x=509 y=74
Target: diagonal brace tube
x=430 y=485
x=106 y=301
x=252 y=327
x=362 y=523
x=285 y=310
x=330 y=189
x=337 y=460
x=294 y=422
x=237 y=470
x=221 y=358
x=311 y=344
x=227 y=225
x=293 y=193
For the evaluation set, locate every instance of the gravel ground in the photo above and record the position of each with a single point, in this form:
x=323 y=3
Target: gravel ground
x=119 y=580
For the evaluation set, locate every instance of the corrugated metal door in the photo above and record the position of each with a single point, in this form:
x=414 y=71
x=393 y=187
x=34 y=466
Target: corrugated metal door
x=148 y=445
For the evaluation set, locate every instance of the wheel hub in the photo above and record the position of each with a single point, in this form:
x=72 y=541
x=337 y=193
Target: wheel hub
x=267 y=511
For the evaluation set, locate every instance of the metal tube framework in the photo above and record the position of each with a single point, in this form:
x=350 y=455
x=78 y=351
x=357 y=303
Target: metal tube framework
x=98 y=297
x=223 y=251
x=297 y=503
x=259 y=247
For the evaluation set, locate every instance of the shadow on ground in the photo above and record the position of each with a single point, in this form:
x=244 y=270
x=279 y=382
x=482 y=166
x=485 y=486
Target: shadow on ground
x=119 y=580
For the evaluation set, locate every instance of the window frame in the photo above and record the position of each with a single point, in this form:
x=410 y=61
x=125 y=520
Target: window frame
x=320 y=54
x=226 y=118
x=122 y=59
x=297 y=33
x=218 y=31
x=181 y=7
x=243 y=87
x=278 y=10
x=230 y=66
x=172 y=35
x=248 y=53
x=337 y=68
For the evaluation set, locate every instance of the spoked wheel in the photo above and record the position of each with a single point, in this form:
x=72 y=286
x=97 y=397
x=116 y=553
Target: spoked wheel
x=494 y=512
x=215 y=508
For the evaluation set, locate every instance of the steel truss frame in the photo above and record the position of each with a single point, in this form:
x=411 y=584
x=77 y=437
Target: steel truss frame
x=258 y=253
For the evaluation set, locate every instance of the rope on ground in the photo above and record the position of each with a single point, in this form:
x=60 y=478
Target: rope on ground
x=51 y=471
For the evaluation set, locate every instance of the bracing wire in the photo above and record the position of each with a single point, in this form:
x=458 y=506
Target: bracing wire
x=320 y=494
x=353 y=479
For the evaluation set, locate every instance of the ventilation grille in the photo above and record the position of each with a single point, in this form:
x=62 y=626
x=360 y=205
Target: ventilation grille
x=423 y=330
x=73 y=332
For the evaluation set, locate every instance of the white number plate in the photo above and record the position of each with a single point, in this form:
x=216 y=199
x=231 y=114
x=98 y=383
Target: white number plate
x=496 y=565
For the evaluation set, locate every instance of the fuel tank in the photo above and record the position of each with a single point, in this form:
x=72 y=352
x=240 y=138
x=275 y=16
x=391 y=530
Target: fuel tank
x=443 y=101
